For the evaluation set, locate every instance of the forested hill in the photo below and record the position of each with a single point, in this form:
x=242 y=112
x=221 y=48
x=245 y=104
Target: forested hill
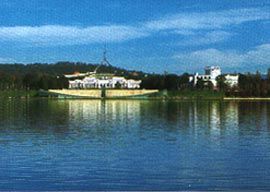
x=51 y=76
x=61 y=68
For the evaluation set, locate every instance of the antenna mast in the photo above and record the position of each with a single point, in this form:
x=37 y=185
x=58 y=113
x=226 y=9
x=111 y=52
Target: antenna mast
x=104 y=60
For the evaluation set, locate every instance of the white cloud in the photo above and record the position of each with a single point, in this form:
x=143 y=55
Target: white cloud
x=7 y=60
x=208 y=20
x=200 y=27
x=69 y=35
x=183 y=32
x=206 y=38
x=260 y=55
x=230 y=59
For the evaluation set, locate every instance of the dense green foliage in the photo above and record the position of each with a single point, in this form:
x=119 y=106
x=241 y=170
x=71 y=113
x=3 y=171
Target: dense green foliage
x=166 y=81
x=50 y=76
x=249 y=85
x=254 y=85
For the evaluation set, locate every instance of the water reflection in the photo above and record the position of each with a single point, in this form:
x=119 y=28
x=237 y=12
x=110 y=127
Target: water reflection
x=63 y=116
x=133 y=145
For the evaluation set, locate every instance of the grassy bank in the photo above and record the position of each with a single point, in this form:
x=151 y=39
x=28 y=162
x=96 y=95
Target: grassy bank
x=247 y=98
x=18 y=93
x=189 y=94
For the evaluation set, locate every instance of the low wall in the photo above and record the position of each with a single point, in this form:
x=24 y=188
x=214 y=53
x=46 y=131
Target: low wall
x=97 y=93
x=93 y=93
x=114 y=93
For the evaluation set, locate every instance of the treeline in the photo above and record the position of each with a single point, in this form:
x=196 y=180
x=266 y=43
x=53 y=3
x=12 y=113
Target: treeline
x=61 y=68
x=249 y=85
x=31 y=81
x=50 y=76
x=166 y=81
x=255 y=85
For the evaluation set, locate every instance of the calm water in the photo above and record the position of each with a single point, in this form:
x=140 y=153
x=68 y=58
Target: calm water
x=134 y=145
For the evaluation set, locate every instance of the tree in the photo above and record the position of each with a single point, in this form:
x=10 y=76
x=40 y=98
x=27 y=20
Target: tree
x=171 y=82
x=184 y=81
x=209 y=85
x=30 y=81
x=118 y=85
x=221 y=85
x=200 y=84
x=43 y=83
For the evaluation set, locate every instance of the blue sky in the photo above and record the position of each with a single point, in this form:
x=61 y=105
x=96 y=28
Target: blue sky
x=154 y=35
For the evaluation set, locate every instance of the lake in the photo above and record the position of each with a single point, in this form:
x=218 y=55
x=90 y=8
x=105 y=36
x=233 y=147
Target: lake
x=134 y=145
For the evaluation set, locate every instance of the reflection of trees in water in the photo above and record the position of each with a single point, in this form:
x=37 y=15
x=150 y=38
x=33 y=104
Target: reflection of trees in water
x=168 y=114
x=33 y=115
x=185 y=114
x=253 y=116
x=112 y=118
x=208 y=117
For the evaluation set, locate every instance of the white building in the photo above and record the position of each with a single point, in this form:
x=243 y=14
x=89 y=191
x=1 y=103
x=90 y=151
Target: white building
x=104 y=81
x=211 y=73
x=231 y=80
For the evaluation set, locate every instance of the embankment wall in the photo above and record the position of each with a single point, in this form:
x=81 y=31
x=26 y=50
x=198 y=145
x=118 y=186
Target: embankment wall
x=111 y=93
x=97 y=93
x=94 y=93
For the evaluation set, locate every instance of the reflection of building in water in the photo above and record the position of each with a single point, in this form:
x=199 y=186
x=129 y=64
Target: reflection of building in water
x=218 y=116
x=231 y=114
x=214 y=117
x=206 y=117
x=84 y=109
x=93 y=111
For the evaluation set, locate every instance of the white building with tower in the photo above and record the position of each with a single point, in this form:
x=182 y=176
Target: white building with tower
x=100 y=80
x=211 y=73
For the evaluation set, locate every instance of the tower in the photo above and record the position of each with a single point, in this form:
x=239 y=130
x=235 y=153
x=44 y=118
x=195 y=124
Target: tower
x=104 y=60
x=213 y=71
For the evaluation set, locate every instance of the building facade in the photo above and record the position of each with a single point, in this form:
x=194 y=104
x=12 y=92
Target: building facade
x=231 y=80
x=211 y=73
x=104 y=81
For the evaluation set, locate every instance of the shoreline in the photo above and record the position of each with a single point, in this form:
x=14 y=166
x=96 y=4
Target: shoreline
x=146 y=99
x=161 y=95
x=246 y=98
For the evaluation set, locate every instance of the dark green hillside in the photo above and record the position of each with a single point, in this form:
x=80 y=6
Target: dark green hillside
x=50 y=76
